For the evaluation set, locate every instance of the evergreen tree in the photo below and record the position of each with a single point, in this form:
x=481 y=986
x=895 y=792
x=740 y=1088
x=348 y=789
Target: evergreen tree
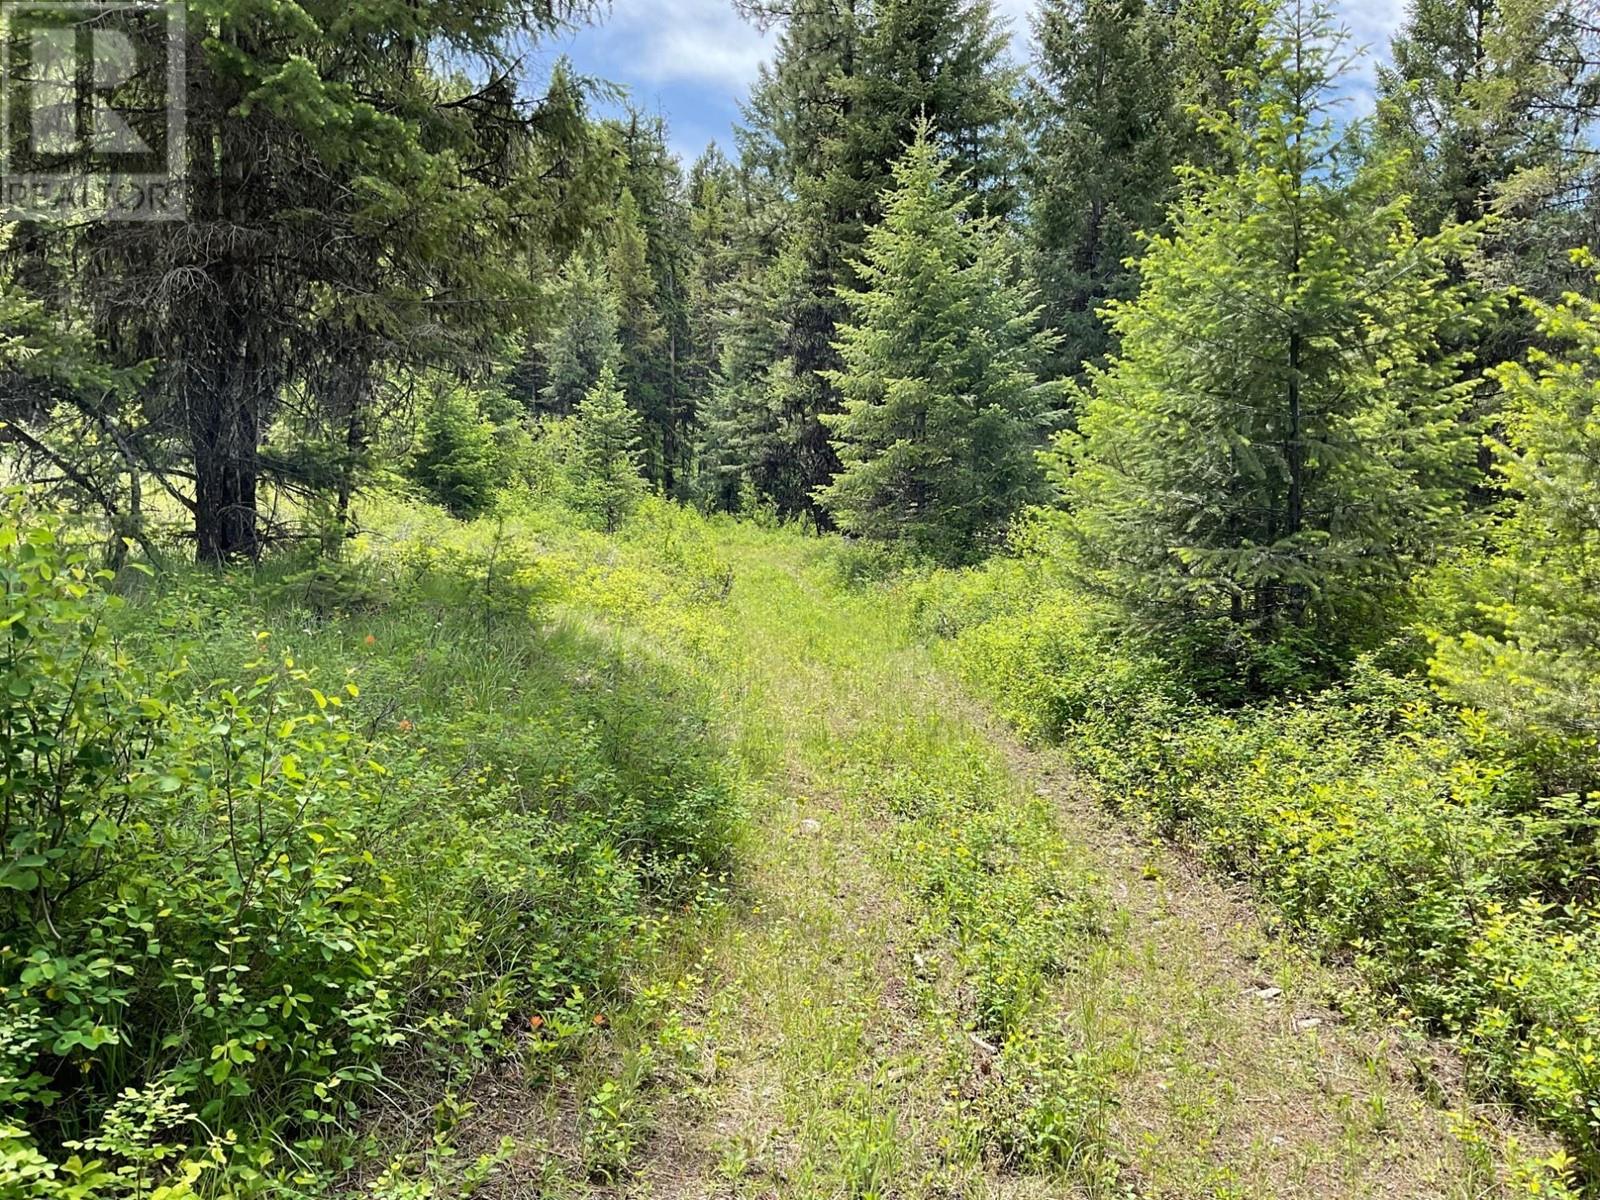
x=1495 y=101
x=1103 y=107
x=713 y=222
x=1533 y=664
x=1279 y=440
x=351 y=206
x=604 y=482
x=740 y=450
x=941 y=404
x=666 y=400
x=584 y=344
x=849 y=83
x=641 y=336
x=457 y=461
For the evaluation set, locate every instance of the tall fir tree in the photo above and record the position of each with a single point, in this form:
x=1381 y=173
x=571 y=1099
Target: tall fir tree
x=1279 y=440
x=641 y=370
x=713 y=216
x=1495 y=101
x=352 y=210
x=1102 y=106
x=584 y=343
x=942 y=408
x=849 y=82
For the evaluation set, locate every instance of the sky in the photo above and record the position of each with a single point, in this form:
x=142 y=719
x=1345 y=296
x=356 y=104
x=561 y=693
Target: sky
x=694 y=60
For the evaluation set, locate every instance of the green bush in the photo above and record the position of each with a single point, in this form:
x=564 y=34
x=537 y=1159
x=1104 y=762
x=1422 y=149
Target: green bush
x=234 y=888
x=1382 y=823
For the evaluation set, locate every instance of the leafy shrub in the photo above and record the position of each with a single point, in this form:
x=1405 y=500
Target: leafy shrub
x=233 y=888
x=1382 y=823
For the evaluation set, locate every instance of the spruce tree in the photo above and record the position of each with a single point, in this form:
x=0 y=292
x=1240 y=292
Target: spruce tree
x=1103 y=109
x=604 y=480
x=849 y=82
x=456 y=461
x=1532 y=662
x=1495 y=101
x=1278 y=442
x=585 y=342
x=942 y=408
x=640 y=332
x=353 y=207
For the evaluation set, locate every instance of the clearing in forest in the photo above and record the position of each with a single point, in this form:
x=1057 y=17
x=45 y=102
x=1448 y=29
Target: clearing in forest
x=943 y=970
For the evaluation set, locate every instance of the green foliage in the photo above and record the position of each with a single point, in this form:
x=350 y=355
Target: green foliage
x=1492 y=101
x=941 y=404
x=1379 y=822
x=603 y=479
x=235 y=887
x=585 y=343
x=457 y=461
x=1103 y=111
x=1278 y=444
x=1530 y=660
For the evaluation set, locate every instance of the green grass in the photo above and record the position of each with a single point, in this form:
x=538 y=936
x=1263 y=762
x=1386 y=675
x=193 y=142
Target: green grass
x=700 y=875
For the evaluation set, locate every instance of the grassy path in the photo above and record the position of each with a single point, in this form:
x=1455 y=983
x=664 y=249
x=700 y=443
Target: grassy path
x=948 y=974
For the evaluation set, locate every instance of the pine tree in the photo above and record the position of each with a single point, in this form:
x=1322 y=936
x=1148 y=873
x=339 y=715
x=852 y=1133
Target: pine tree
x=941 y=404
x=603 y=480
x=1533 y=664
x=584 y=344
x=1279 y=440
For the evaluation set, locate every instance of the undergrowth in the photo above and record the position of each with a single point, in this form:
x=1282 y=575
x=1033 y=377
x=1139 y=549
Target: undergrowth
x=281 y=843
x=1386 y=825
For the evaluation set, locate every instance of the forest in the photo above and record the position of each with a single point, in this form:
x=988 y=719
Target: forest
x=1028 y=626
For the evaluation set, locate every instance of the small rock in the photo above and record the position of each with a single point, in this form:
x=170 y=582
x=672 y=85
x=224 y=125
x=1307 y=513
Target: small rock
x=1268 y=993
x=1301 y=1024
x=810 y=827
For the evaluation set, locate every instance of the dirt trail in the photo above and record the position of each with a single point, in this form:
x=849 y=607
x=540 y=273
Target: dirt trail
x=835 y=1046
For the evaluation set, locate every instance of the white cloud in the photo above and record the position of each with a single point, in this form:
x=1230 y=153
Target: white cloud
x=676 y=41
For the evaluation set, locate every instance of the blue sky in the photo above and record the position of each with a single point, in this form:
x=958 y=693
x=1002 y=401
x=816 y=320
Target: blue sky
x=694 y=60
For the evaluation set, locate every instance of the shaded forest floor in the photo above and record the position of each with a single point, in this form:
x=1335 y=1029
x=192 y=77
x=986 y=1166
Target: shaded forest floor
x=943 y=970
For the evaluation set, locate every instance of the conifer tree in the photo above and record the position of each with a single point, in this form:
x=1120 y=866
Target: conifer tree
x=640 y=333
x=1110 y=105
x=1495 y=101
x=941 y=404
x=1103 y=110
x=604 y=480
x=585 y=343
x=456 y=460
x=1533 y=661
x=1279 y=440
x=351 y=206
x=850 y=81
